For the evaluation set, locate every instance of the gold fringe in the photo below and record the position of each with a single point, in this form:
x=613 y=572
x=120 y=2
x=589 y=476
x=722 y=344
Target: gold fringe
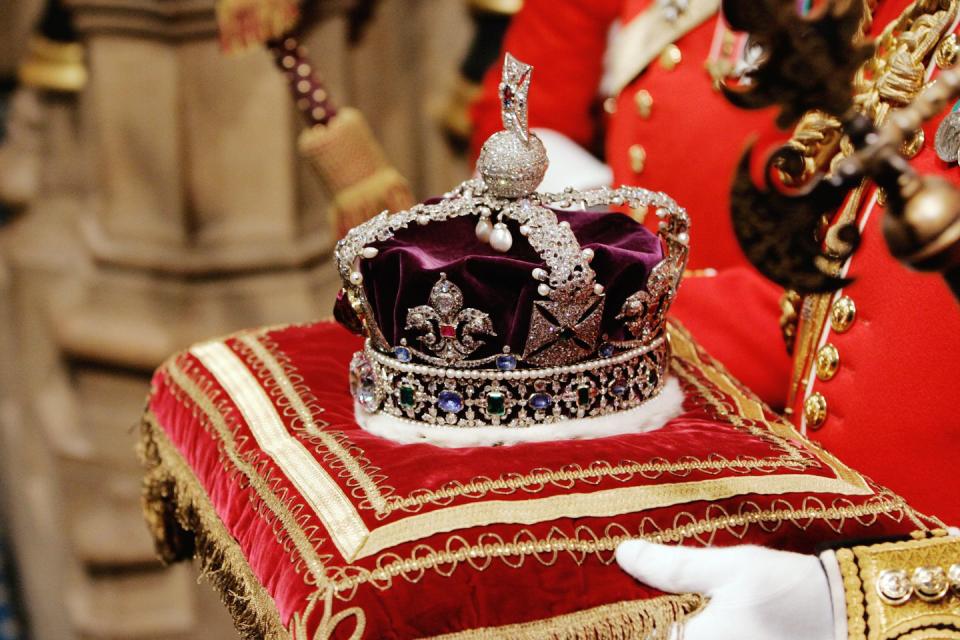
x=651 y=619
x=184 y=525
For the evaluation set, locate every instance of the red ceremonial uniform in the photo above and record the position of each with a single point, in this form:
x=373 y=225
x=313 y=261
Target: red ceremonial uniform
x=876 y=365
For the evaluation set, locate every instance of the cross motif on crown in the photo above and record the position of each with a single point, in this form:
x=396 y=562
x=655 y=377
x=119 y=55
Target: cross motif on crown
x=563 y=331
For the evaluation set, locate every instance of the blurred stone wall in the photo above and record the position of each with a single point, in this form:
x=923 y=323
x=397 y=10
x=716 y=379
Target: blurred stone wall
x=173 y=208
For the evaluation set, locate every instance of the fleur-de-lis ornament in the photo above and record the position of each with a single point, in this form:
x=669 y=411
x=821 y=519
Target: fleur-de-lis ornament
x=446 y=329
x=645 y=311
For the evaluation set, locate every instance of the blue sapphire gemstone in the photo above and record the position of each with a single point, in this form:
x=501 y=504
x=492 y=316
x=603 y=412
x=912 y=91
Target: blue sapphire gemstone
x=607 y=350
x=450 y=401
x=506 y=362
x=540 y=401
x=402 y=353
x=619 y=389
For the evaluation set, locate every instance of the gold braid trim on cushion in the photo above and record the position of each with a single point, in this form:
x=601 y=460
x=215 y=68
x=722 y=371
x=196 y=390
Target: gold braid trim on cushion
x=283 y=382
x=184 y=524
x=650 y=619
x=271 y=500
x=872 y=617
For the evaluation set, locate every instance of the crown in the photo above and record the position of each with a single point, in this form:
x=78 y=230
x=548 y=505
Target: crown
x=496 y=305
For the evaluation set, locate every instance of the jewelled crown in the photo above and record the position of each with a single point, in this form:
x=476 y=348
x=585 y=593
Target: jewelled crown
x=496 y=305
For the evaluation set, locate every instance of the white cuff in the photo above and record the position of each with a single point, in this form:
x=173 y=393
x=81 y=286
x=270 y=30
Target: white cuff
x=837 y=597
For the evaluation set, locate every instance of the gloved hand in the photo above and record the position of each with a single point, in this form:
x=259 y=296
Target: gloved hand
x=754 y=593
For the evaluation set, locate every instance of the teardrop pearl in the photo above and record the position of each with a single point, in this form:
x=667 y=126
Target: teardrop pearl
x=484 y=227
x=500 y=238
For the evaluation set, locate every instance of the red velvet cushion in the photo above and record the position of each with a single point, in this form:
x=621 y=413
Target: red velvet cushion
x=350 y=534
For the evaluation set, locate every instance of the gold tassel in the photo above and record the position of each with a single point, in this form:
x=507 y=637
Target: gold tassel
x=354 y=170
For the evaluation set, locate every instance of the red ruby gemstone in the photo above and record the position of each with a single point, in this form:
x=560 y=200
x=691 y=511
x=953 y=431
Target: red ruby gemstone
x=448 y=331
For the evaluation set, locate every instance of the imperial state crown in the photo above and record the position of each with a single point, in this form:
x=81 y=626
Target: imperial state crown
x=498 y=306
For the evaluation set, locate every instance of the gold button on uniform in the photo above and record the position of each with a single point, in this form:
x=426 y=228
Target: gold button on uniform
x=610 y=105
x=843 y=313
x=913 y=144
x=644 y=102
x=828 y=361
x=638 y=158
x=948 y=52
x=815 y=410
x=670 y=57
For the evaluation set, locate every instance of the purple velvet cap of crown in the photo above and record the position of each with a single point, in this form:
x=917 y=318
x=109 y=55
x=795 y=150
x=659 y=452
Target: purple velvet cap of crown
x=409 y=264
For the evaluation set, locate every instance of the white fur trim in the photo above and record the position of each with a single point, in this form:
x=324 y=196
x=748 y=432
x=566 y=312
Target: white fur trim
x=649 y=416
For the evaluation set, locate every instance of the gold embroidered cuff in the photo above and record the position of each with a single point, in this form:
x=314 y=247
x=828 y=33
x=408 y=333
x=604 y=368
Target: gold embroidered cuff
x=902 y=589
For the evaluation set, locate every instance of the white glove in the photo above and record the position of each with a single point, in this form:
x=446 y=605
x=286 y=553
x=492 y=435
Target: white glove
x=754 y=593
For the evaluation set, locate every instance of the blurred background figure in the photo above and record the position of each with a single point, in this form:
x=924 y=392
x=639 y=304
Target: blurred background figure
x=47 y=66
x=154 y=194
x=9 y=615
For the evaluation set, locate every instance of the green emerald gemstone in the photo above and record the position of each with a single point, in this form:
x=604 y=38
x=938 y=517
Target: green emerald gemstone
x=496 y=405
x=583 y=395
x=407 y=397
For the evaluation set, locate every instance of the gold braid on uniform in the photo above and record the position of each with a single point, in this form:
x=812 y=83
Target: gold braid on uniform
x=908 y=589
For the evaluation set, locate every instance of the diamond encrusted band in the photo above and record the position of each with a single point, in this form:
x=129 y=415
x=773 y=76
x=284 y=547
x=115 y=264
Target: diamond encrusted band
x=448 y=366
x=518 y=398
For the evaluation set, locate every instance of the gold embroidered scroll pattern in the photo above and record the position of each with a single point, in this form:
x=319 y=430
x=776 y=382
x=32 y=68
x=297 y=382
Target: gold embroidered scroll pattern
x=741 y=408
x=780 y=432
x=253 y=607
x=585 y=543
x=322 y=600
x=297 y=402
x=578 y=547
x=288 y=518
x=605 y=503
x=276 y=371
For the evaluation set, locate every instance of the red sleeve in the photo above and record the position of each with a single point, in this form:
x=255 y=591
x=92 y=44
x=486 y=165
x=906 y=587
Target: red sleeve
x=565 y=41
x=735 y=316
